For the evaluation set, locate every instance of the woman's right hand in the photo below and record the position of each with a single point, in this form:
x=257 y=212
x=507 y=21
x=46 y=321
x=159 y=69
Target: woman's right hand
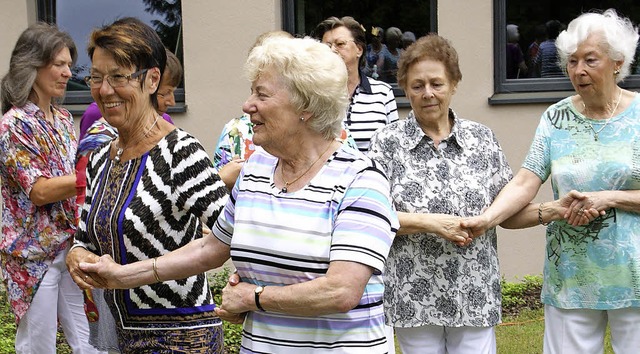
x=450 y=228
x=104 y=273
x=74 y=258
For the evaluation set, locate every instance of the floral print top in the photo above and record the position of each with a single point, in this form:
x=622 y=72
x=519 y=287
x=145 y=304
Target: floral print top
x=429 y=280
x=32 y=236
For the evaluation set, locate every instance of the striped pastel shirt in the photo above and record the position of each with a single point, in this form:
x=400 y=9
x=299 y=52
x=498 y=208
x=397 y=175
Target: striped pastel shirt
x=278 y=239
x=372 y=107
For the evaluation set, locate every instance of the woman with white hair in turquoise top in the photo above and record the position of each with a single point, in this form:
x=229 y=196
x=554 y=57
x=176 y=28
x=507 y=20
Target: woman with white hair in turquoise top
x=588 y=145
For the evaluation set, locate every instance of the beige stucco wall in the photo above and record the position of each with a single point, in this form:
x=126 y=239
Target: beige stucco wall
x=218 y=34
x=469 y=25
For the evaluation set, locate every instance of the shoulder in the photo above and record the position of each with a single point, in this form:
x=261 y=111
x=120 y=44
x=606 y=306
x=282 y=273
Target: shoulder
x=18 y=119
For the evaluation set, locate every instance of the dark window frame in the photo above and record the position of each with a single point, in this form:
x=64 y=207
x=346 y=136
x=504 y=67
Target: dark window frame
x=289 y=13
x=516 y=91
x=46 y=11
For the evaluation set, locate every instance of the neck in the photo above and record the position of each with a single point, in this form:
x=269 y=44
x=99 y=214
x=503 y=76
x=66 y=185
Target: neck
x=139 y=134
x=604 y=106
x=436 y=130
x=44 y=103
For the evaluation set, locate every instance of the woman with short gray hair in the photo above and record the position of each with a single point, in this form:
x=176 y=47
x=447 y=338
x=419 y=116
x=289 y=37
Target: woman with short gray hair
x=309 y=222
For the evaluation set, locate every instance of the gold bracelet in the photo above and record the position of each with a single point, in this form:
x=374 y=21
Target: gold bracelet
x=540 y=216
x=155 y=270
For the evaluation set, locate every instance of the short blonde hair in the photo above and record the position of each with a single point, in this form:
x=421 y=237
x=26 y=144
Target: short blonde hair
x=314 y=75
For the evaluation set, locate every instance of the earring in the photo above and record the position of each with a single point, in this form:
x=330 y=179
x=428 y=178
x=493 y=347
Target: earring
x=302 y=119
x=616 y=72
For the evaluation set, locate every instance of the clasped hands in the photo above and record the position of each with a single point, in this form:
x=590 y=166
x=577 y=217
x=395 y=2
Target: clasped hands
x=577 y=208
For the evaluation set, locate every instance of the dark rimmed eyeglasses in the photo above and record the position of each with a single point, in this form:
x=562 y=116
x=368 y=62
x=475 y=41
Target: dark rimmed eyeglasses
x=117 y=80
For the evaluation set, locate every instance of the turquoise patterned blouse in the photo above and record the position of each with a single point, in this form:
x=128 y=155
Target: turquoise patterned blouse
x=596 y=266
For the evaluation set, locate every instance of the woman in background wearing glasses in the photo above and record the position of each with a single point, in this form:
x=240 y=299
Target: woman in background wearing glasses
x=149 y=191
x=372 y=103
x=38 y=147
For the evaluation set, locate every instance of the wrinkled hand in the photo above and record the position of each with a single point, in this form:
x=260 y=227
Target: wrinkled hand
x=83 y=279
x=229 y=173
x=223 y=312
x=450 y=228
x=105 y=269
x=580 y=208
x=476 y=225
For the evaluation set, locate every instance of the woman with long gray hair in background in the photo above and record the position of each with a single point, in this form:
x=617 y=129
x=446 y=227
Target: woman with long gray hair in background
x=38 y=191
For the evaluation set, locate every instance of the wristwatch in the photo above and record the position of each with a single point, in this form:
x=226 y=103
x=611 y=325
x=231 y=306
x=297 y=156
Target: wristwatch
x=257 y=292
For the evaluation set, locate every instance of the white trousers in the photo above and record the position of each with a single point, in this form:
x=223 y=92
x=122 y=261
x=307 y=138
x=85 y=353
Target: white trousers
x=57 y=298
x=451 y=340
x=583 y=330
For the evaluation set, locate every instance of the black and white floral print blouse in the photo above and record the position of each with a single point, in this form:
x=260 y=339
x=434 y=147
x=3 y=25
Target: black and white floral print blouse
x=429 y=280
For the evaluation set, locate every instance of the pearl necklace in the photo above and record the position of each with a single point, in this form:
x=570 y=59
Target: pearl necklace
x=613 y=111
x=287 y=184
x=121 y=149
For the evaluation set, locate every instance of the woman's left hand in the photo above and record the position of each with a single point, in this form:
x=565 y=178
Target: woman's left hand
x=584 y=207
x=224 y=311
x=104 y=269
x=83 y=279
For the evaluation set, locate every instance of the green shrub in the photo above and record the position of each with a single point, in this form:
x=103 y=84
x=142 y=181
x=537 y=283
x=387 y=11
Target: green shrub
x=523 y=294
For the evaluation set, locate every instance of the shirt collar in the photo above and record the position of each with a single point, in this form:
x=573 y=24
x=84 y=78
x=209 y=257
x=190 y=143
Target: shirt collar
x=414 y=133
x=365 y=86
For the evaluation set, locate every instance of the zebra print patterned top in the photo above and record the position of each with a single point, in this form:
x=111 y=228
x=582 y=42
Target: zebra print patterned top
x=146 y=207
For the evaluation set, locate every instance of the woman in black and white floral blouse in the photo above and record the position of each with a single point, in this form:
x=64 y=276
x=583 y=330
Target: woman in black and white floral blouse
x=442 y=289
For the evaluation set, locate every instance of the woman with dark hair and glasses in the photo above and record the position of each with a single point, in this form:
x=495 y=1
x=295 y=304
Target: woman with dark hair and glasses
x=149 y=191
x=372 y=103
x=38 y=147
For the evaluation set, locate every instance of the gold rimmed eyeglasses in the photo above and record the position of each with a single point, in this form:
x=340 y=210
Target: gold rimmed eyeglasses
x=338 y=43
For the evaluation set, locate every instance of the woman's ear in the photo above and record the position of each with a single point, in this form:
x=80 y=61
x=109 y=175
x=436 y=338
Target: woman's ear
x=153 y=79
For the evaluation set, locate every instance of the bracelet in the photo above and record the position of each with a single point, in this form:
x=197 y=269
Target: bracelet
x=155 y=270
x=540 y=216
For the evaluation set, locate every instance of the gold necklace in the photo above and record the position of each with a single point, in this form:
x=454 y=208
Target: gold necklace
x=595 y=133
x=121 y=149
x=287 y=184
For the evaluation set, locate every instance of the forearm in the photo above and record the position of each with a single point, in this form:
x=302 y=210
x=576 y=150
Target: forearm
x=339 y=291
x=628 y=200
x=514 y=197
x=413 y=223
x=196 y=257
x=50 y=190
x=532 y=214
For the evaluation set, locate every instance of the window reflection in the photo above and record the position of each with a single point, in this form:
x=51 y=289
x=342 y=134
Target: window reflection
x=390 y=26
x=532 y=28
x=80 y=17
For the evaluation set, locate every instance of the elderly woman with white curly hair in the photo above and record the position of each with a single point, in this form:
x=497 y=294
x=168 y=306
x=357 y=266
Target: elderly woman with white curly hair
x=588 y=145
x=309 y=223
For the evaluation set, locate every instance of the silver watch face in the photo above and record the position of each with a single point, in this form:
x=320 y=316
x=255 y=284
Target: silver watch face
x=259 y=289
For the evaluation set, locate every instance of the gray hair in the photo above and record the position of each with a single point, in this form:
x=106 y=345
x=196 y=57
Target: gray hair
x=512 y=33
x=619 y=37
x=36 y=48
x=314 y=75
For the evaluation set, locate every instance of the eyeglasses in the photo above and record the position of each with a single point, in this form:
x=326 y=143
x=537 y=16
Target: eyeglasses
x=339 y=43
x=95 y=81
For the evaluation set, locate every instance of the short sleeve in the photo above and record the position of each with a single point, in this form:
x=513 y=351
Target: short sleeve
x=22 y=155
x=538 y=158
x=365 y=223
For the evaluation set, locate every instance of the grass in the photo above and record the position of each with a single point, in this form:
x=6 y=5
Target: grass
x=521 y=331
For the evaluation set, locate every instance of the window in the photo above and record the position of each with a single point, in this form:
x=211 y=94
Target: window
x=531 y=85
x=80 y=17
x=302 y=16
